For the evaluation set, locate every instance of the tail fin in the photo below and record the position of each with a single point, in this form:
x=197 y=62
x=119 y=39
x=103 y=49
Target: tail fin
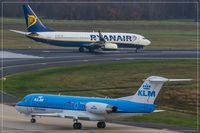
x=149 y=90
x=33 y=23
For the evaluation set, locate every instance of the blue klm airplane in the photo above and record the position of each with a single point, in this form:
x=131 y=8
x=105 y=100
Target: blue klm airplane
x=83 y=40
x=94 y=109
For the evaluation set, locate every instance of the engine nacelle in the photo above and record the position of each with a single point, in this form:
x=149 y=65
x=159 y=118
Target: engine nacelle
x=100 y=108
x=110 y=46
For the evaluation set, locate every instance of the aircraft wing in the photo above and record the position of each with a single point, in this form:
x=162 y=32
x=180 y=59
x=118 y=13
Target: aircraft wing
x=99 y=43
x=70 y=115
x=102 y=43
x=20 y=32
x=49 y=114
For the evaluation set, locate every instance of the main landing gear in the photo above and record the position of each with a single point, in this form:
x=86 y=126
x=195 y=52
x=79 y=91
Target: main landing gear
x=77 y=125
x=81 y=49
x=101 y=124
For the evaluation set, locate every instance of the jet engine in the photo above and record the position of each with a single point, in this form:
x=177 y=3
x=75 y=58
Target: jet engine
x=100 y=108
x=109 y=46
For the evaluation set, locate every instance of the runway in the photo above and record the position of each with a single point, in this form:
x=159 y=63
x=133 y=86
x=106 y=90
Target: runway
x=13 y=122
x=32 y=59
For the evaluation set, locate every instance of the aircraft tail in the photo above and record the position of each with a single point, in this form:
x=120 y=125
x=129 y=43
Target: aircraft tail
x=149 y=90
x=33 y=23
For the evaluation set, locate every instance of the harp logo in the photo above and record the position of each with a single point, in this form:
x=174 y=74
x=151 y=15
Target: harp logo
x=31 y=20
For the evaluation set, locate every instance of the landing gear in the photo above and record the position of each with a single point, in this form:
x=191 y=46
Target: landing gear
x=101 y=124
x=81 y=49
x=91 y=49
x=137 y=50
x=33 y=120
x=77 y=125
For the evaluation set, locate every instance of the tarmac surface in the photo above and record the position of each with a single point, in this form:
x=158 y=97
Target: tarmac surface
x=14 y=61
x=14 y=122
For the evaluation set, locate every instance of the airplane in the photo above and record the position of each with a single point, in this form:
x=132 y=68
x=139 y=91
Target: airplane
x=94 y=108
x=90 y=41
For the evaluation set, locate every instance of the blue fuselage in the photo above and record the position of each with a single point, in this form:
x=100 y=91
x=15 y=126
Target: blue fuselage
x=78 y=103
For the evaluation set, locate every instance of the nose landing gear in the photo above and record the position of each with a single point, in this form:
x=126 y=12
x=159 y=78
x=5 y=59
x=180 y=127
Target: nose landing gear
x=101 y=124
x=33 y=120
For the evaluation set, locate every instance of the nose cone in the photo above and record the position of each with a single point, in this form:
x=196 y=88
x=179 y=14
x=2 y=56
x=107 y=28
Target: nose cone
x=19 y=108
x=147 y=42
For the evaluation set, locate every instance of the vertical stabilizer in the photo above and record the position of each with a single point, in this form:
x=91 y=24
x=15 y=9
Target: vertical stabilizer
x=33 y=23
x=149 y=90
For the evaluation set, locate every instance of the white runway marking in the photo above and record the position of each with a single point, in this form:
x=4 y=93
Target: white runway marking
x=8 y=55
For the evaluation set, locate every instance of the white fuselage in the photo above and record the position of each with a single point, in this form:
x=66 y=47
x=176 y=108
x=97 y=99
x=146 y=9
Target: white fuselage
x=78 y=39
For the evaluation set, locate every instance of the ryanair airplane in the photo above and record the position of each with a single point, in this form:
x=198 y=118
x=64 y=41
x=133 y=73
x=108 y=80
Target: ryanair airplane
x=94 y=109
x=84 y=40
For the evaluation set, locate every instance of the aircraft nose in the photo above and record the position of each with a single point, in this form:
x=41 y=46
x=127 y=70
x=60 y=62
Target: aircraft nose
x=18 y=107
x=147 y=42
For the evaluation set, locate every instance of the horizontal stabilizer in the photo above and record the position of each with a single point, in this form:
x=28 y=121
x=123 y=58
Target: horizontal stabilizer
x=20 y=32
x=161 y=79
x=156 y=111
x=180 y=79
x=165 y=80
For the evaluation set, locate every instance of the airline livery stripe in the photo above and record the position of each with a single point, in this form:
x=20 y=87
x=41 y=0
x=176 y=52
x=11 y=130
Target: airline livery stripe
x=89 y=41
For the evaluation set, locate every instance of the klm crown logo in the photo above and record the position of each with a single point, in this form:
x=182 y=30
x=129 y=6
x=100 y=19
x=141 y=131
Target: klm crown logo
x=146 y=86
x=31 y=20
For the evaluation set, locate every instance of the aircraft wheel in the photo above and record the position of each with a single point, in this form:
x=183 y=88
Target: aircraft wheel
x=137 y=50
x=101 y=124
x=33 y=120
x=91 y=50
x=77 y=125
x=81 y=49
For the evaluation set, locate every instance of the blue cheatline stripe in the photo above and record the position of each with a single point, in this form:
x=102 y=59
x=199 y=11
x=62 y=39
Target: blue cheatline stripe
x=71 y=109
x=79 y=43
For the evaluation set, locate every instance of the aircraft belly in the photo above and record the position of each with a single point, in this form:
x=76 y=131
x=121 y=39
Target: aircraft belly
x=83 y=115
x=121 y=115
